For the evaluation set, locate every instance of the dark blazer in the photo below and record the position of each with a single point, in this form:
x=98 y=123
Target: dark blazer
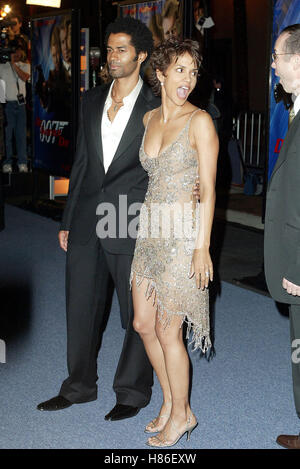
x=90 y=186
x=282 y=220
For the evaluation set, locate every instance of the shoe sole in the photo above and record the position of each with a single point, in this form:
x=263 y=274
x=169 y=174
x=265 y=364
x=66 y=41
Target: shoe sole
x=112 y=419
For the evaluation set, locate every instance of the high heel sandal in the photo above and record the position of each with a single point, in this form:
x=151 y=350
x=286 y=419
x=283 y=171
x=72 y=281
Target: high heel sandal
x=154 y=423
x=154 y=428
x=163 y=442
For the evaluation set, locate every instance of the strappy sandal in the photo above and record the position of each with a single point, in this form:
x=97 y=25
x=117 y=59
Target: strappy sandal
x=153 y=426
x=160 y=440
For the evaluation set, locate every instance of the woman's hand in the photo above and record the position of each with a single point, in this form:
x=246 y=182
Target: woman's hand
x=202 y=268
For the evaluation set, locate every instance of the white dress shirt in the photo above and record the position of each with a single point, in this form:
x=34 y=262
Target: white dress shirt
x=112 y=131
x=2 y=91
x=67 y=67
x=10 y=77
x=297 y=104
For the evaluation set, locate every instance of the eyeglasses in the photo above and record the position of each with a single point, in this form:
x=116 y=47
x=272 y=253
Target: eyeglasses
x=275 y=55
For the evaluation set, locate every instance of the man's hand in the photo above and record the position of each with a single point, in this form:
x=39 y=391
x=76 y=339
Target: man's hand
x=196 y=189
x=63 y=239
x=290 y=287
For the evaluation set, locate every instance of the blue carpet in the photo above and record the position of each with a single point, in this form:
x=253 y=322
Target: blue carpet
x=242 y=398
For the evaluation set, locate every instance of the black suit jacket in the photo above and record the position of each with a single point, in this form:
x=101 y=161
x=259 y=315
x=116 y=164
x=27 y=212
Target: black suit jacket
x=90 y=186
x=282 y=220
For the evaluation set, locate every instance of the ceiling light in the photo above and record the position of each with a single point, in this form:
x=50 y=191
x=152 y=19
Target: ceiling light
x=45 y=3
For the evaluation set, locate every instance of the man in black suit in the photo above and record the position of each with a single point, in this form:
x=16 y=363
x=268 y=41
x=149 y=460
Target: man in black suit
x=106 y=172
x=282 y=221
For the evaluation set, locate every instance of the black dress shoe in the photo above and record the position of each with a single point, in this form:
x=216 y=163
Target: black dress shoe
x=120 y=412
x=56 y=403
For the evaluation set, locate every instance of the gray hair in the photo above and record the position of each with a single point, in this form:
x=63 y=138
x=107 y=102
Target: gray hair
x=292 y=43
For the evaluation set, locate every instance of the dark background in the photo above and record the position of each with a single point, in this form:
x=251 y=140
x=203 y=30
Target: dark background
x=237 y=47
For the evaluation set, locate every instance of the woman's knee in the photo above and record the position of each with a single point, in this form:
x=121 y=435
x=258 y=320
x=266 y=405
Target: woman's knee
x=168 y=335
x=142 y=326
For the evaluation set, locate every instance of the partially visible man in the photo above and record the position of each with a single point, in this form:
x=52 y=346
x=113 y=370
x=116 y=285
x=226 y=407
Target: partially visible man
x=282 y=221
x=198 y=31
x=2 y=101
x=170 y=19
x=65 y=44
x=14 y=31
x=15 y=75
x=55 y=92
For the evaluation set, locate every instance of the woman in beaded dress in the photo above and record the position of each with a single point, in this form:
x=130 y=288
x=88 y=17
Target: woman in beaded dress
x=172 y=267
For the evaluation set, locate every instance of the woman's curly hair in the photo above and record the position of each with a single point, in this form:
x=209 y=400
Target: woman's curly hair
x=164 y=54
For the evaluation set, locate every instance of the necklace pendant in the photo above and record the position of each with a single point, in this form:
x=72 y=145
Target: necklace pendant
x=115 y=107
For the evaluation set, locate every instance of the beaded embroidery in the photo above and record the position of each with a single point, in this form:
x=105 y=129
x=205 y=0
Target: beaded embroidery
x=165 y=261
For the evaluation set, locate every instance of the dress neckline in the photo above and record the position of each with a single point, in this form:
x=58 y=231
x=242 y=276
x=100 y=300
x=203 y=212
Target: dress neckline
x=170 y=144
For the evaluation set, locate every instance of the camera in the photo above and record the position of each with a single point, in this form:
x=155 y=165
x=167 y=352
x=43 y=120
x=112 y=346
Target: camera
x=21 y=99
x=6 y=47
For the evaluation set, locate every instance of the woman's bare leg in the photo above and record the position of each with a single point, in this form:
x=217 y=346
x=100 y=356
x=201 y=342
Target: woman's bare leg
x=144 y=323
x=177 y=366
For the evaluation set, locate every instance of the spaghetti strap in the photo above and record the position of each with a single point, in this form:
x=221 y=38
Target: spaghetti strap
x=149 y=117
x=188 y=124
x=191 y=117
x=147 y=123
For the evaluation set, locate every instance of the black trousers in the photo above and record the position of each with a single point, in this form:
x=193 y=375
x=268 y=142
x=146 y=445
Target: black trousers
x=89 y=272
x=295 y=336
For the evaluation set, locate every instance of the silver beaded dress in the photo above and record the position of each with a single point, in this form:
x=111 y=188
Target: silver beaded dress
x=166 y=238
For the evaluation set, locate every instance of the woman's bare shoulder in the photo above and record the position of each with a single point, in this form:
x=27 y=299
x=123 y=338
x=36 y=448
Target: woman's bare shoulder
x=202 y=127
x=147 y=115
x=201 y=118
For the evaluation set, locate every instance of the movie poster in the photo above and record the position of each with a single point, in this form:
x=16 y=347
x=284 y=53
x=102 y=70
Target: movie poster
x=163 y=17
x=285 y=13
x=52 y=93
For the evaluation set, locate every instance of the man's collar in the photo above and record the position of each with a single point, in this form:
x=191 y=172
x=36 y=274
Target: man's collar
x=67 y=65
x=297 y=104
x=130 y=97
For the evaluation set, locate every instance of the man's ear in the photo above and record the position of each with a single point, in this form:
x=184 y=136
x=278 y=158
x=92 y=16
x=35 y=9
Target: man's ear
x=142 y=57
x=296 y=60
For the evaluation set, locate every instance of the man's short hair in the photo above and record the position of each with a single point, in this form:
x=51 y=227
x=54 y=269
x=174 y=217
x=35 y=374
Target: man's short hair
x=292 y=43
x=141 y=37
x=66 y=22
x=15 y=15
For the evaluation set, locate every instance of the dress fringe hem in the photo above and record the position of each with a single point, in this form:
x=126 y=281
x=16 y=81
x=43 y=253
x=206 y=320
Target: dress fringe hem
x=200 y=339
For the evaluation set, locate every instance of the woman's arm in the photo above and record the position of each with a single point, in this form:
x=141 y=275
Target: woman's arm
x=204 y=138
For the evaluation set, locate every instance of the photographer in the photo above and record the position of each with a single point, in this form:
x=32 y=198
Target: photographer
x=15 y=75
x=14 y=29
